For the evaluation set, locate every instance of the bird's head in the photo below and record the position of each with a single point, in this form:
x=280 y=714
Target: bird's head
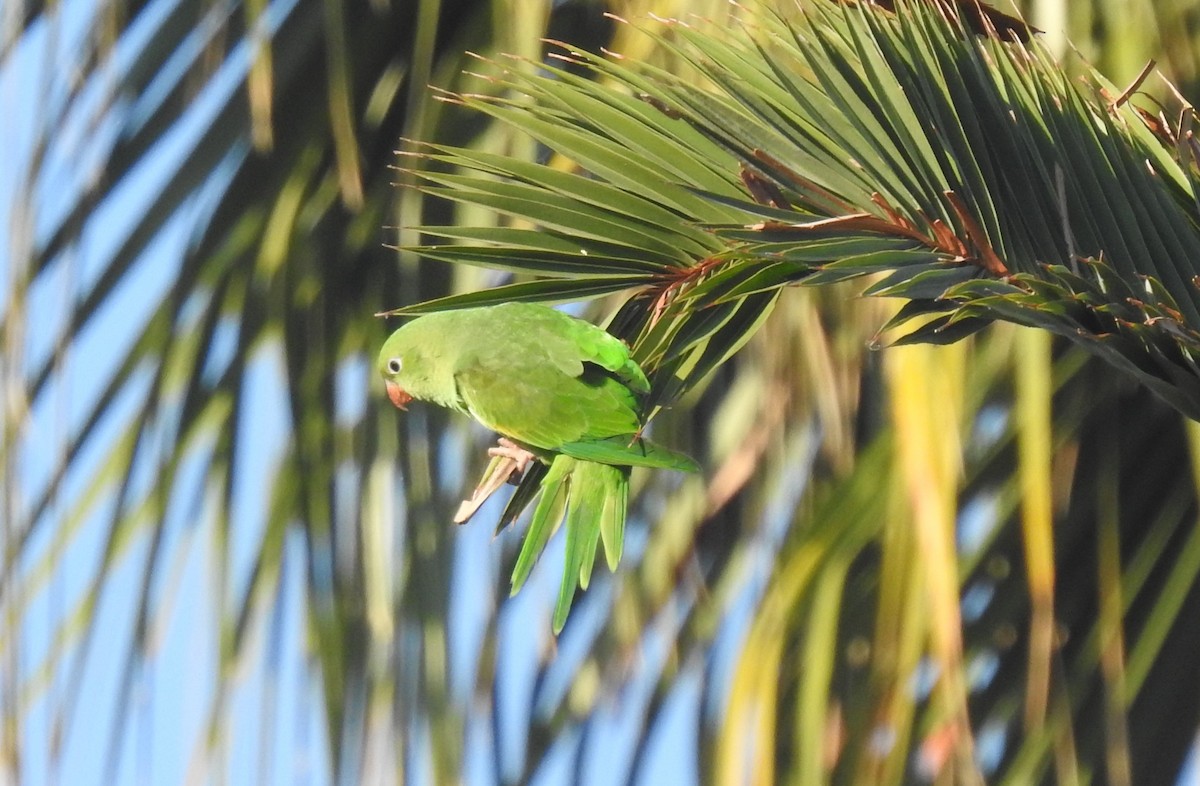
x=397 y=362
x=418 y=361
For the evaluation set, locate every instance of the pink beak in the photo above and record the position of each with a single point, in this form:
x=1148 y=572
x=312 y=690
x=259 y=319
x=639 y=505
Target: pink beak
x=397 y=394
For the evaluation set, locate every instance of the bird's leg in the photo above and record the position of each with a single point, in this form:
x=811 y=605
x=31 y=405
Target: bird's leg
x=506 y=448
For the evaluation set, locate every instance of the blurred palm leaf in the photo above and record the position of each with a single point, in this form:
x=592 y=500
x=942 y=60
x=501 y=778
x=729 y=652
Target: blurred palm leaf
x=280 y=120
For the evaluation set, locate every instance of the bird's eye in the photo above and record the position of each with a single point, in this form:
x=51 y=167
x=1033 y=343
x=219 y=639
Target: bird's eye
x=394 y=365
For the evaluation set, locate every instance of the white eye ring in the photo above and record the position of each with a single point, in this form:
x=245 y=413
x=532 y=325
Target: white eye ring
x=394 y=365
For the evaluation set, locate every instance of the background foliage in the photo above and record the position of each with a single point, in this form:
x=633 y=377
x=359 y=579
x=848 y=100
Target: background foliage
x=882 y=540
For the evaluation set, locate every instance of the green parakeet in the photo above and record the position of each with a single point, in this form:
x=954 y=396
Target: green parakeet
x=562 y=389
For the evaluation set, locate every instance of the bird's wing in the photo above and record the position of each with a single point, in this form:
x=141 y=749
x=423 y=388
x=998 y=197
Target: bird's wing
x=541 y=391
x=569 y=341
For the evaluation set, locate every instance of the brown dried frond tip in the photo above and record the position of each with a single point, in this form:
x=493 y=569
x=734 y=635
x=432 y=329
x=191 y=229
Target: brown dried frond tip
x=979 y=18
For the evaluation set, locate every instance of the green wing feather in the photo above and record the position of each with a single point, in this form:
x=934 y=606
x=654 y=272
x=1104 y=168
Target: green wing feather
x=538 y=405
x=622 y=451
x=568 y=341
x=610 y=353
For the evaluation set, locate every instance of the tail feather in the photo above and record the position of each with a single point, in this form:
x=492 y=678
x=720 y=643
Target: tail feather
x=612 y=520
x=545 y=519
x=594 y=498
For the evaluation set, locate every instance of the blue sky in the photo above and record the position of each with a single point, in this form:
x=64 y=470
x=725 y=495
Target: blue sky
x=172 y=691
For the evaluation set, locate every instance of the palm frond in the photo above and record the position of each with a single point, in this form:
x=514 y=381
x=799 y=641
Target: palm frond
x=979 y=183
x=843 y=142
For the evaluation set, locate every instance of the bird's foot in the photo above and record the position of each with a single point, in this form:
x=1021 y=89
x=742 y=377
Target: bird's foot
x=506 y=448
x=508 y=466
